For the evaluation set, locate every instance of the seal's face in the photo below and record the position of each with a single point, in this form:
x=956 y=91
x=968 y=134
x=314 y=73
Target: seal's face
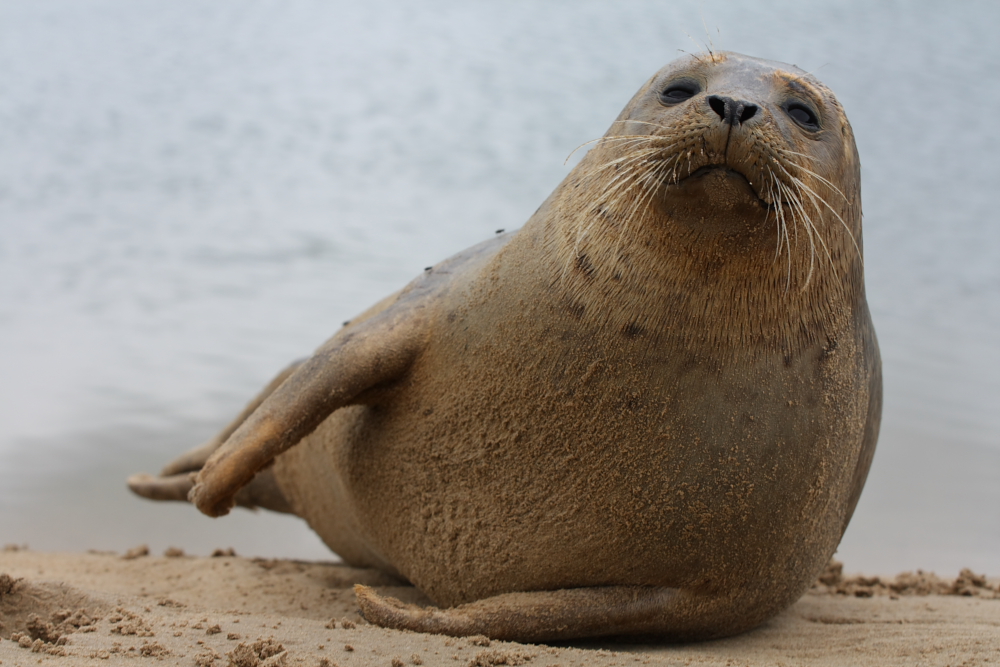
x=725 y=180
x=726 y=144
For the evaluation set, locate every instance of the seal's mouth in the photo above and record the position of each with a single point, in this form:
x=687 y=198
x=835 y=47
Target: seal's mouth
x=725 y=181
x=701 y=172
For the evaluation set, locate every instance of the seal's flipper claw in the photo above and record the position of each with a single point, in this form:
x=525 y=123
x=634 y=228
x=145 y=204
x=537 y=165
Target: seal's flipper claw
x=538 y=616
x=173 y=487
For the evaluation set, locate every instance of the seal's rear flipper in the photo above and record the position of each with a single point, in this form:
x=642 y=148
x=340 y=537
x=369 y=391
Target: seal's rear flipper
x=539 y=616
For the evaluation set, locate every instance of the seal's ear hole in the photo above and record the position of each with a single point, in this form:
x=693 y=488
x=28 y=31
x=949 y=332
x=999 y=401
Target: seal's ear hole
x=802 y=115
x=679 y=91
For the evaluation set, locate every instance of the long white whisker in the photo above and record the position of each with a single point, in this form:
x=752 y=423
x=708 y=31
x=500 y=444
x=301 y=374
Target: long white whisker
x=647 y=178
x=630 y=165
x=825 y=203
x=624 y=158
x=783 y=230
x=809 y=228
x=798 y=216
x=824 y=180
x=638 y=138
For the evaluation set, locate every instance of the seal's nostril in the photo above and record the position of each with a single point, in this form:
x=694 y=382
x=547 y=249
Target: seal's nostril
x=718 y=105
x=732 y=112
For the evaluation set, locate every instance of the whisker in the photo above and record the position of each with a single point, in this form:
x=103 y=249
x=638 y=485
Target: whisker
x=646 y=178
x=637 y=138
x=824 y=180
x=625 y=158
x=785 y=151
x=796 y=204
x=777 y=219
x=823 y=201
x=632 y=167
x=643 y=122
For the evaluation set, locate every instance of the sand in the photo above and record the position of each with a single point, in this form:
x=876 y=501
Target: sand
x=108 y=609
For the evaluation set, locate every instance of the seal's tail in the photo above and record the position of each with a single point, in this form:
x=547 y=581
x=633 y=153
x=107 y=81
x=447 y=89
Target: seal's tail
x=549 y=615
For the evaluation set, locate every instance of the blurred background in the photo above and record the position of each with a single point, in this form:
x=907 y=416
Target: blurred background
x=194 y=193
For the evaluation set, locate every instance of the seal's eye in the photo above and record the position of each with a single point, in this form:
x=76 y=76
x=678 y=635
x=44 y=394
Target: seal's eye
x=679 y=92
x=802 y=115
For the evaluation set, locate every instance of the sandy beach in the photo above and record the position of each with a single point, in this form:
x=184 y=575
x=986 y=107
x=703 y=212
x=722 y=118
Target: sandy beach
x=107 y=608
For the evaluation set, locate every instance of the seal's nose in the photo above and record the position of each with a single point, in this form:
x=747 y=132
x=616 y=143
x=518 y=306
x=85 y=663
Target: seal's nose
x=732 y=112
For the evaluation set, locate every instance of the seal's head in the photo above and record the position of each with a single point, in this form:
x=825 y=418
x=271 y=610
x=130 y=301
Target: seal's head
x=724 y=171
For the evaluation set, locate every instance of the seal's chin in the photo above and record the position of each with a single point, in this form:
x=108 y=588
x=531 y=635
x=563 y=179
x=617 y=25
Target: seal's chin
x=715 y=198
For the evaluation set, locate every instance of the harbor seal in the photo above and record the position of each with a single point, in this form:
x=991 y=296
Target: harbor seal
x=649 y=411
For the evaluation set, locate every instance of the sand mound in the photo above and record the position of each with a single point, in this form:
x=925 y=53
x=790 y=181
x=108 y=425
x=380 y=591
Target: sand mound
x=967 y=584
x=42 y=615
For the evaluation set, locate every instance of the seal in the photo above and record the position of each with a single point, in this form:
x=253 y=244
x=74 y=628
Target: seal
x=649 y=411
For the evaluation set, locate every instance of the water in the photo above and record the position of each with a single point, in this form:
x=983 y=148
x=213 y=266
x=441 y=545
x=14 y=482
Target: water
x=193 y=194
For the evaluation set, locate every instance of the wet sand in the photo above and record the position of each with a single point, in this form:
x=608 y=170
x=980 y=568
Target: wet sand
x=106 y=609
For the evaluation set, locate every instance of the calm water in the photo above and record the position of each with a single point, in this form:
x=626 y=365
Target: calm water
x=192 y=194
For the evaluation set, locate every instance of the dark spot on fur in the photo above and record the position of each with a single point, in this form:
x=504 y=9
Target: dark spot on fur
x=451 y=316
x=617 y=276
x=788 y=359
x=584 y=266
x=577 y=310
x=428 y=412
x=632 y=330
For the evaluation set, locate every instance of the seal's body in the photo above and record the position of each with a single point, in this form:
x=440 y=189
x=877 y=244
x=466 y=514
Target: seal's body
x=649 y=411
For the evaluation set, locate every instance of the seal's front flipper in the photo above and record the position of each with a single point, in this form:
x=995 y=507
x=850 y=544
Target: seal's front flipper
x=174 y=487
x=539 y=616
x=262 y=491
x=371 y=354
x=194 y=459
x=359 y=360
x=176 y=480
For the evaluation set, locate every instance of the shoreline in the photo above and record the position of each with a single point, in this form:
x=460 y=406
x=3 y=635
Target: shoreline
x=105 y=608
